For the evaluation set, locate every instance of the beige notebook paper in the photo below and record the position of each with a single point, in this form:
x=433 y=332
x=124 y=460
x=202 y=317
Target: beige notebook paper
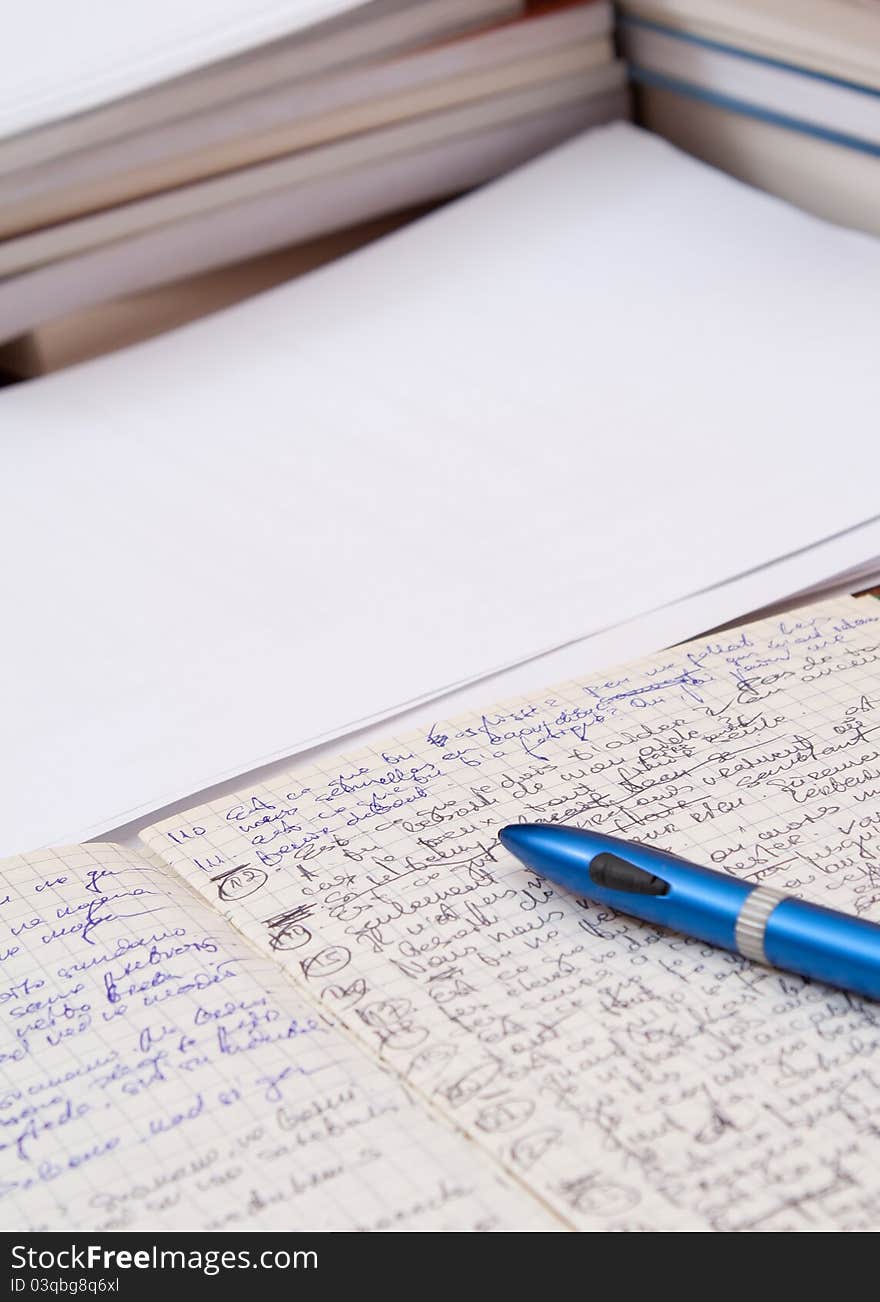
x=358 y=1011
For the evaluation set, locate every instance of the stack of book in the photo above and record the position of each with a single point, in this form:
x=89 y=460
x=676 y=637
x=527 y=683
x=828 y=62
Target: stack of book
x=120 y=181
x=785 y=96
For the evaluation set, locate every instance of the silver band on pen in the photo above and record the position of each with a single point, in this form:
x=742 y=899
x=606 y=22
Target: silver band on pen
x=752 y=921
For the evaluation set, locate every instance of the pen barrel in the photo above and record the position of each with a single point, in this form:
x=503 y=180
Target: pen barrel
x=757 y=921
x=836 y=948
x=699 y=902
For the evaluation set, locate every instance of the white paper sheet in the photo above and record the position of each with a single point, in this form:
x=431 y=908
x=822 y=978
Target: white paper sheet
x=765 y=589
x=608 y=381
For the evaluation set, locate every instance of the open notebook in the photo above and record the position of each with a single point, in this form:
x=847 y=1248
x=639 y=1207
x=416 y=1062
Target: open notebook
x=335 y=1002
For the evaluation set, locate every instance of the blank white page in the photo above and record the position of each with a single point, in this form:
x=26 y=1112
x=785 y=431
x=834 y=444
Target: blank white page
x=760 y=591
x=608 y=381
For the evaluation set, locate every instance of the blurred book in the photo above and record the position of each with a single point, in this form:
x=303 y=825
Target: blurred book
x=106 y=327
x=373 y=113
x=73 y=74
x=297 y=114
x=841 y=185
x=786 y=97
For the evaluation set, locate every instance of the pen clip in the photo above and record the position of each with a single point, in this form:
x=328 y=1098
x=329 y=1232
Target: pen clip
x=615 y=874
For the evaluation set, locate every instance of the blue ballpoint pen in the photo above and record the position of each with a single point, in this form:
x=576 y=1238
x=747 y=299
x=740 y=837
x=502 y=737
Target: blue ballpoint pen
x=759 y=922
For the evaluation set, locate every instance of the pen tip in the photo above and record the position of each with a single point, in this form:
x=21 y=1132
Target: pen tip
x=507 y=836
x=516 y=836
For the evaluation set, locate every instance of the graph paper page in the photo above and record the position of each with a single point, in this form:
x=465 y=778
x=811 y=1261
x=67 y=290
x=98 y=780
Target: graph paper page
x=635 y=1078
x=158 y=1074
